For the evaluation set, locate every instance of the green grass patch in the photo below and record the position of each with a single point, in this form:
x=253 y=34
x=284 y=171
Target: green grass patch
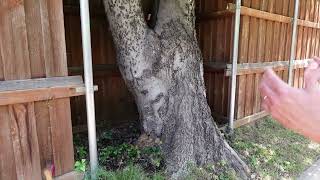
x=273 y=151
x=131 y=172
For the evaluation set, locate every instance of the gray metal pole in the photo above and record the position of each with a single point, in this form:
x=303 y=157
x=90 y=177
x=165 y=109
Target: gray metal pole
x=294 y=41
x=88 y=76
x=234 y=65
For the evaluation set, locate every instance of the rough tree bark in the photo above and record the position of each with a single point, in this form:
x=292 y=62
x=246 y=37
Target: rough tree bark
x=163 y=69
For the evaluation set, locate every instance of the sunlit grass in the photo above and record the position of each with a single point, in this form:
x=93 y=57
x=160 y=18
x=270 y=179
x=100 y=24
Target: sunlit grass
x=273 y=151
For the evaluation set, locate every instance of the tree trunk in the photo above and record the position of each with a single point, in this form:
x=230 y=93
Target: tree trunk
x=163 y=69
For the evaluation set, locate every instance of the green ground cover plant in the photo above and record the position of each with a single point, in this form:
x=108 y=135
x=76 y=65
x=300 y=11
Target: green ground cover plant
x=271 y=151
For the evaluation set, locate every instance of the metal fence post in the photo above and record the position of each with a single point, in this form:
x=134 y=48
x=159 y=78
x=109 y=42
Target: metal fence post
x=234 y=65
x=293 y=42
x=88 y=76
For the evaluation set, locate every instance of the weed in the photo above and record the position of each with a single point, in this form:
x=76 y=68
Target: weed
x=81 y=166
x=81 y=152
x=122 y=154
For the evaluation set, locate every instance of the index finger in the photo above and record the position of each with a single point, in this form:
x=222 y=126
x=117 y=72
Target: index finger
x=273 y=81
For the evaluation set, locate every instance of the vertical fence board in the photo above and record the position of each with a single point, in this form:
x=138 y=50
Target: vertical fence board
x=7 y=165
x=21 y=117
x=60 y=109
x=243 y=57
x=252 y=57
x=32 y=46
x=40 y=52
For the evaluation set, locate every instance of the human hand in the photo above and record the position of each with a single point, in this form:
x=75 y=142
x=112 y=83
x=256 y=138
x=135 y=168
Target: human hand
x=296 y=109
x=312 y=75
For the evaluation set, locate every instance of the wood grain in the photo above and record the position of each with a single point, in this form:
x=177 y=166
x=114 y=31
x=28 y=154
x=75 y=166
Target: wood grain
x=60 y=111
x=32 y=45
x=243 y=57
x=21 y=117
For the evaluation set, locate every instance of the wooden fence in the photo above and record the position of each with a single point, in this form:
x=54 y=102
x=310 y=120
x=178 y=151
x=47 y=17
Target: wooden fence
x=35 y=126
x=35 y=115
x=265 y=41
x=114 y=104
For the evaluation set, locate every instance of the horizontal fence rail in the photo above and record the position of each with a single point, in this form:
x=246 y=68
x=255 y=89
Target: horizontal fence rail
x=246 y=11
x=44 y=89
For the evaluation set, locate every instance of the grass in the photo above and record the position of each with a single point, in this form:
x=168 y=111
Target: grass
x=135 y=172
x=271 y=151
x=131 y=172
x=274 y=152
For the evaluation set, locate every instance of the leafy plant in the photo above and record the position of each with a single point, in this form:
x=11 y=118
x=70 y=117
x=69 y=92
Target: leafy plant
x=81 y=152
x=107 y=135
x=119 y=156
x=154 y=154
x=81 y=166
